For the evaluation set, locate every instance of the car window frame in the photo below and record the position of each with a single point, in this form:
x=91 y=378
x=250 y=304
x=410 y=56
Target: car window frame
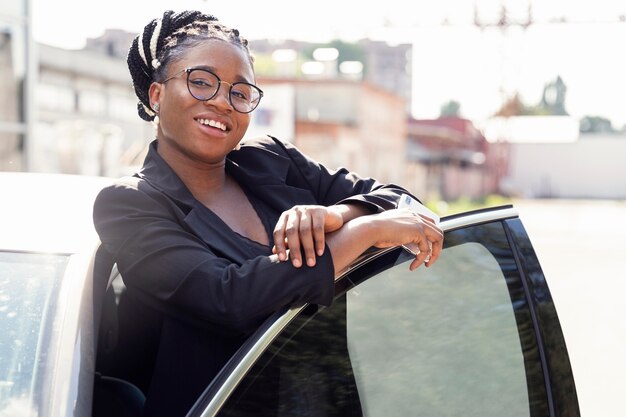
x=68 y=368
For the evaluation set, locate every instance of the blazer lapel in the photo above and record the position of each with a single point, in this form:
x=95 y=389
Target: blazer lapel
x=264 y=173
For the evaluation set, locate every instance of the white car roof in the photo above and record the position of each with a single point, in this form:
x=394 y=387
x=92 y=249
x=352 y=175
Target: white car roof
x=48 y=212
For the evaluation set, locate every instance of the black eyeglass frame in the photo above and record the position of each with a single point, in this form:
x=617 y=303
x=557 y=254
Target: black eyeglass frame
x=219 y=85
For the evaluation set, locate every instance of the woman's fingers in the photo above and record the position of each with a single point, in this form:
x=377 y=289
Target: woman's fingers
x=302 y=230
x=417 y=233
x=306 y=239
x=423 y=253
x=319 y=225
x=280 y=236
x=292 y=228
x=436 y=241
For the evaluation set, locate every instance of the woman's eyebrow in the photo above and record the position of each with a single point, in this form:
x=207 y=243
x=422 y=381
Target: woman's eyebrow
x=238 y=78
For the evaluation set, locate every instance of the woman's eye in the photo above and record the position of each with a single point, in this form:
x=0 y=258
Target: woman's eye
x=201 y=82
x=240 y=95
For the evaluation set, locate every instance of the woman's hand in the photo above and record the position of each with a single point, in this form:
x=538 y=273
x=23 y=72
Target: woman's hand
x=418 y=233
x=303 y=229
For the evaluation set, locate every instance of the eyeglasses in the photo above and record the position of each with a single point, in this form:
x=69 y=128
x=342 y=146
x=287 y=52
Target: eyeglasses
x=203 y=85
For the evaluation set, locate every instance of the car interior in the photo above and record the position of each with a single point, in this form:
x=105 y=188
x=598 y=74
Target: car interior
x=116 y=393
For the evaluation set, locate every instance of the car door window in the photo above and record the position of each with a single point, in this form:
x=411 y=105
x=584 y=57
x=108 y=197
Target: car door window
x=443 y=340
x=29 y=283
x=456 y=339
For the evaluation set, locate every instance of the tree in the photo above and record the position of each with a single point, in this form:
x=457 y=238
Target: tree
x=552 y=102
x=514 y=106
x=450 y=109
x=596 y=124
x=553 y=98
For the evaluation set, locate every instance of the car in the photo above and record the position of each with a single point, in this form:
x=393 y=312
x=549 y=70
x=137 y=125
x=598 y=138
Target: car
x=476 y=334
x=47 y=254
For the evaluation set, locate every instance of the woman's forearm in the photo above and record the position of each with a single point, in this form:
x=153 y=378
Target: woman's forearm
x=349 y=242
x=351 y=211
x=386 y=229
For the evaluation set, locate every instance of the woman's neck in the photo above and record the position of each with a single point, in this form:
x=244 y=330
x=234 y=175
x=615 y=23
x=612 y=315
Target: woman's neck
x=202 y=178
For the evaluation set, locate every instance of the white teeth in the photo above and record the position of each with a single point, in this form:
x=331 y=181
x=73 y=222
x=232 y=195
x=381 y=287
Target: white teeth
x=213 y=123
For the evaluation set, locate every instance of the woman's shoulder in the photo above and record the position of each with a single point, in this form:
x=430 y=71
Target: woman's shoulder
x=265 y=142
x=123 y=188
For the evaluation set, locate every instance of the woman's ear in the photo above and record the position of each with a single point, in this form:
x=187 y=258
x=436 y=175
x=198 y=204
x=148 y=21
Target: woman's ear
x=154 y=93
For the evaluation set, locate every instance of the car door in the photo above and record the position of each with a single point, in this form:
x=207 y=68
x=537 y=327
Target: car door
x=476 y=334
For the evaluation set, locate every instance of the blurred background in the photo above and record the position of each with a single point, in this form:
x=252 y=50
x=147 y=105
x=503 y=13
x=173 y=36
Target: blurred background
x=465 y=103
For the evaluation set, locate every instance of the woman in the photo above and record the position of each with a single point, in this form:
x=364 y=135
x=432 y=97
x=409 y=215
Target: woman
x=214 y=233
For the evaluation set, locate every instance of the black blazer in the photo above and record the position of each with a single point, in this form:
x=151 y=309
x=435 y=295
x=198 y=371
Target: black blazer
x=196 y=288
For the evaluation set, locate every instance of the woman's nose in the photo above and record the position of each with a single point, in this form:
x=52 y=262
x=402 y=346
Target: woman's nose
x=221 y=98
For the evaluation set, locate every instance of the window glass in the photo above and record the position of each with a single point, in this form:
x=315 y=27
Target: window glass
x=28 y=285
x=92 y=102
x=55 y=97
x=439 y=342
x=455 y=339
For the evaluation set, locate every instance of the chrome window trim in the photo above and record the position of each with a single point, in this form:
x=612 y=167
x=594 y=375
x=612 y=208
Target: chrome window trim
x=70 y=371
x=255 y=352
x=248 y=361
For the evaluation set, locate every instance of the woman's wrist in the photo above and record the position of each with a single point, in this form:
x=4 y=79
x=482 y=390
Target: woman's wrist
x=355 y=237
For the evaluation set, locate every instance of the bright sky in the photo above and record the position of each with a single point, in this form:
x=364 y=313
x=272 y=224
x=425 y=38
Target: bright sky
x=455 y=62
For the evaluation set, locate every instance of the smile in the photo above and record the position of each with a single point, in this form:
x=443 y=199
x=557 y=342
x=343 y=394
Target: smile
x=212 y=123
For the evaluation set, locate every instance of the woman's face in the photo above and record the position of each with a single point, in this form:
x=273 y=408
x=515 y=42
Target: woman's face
x=184 y=132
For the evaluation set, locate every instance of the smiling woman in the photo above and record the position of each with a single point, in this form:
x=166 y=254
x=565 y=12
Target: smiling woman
x=217 y=232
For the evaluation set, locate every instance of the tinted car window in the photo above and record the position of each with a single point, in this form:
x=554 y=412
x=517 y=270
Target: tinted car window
x=445 y=340
x=458 y=339
x=28 y=284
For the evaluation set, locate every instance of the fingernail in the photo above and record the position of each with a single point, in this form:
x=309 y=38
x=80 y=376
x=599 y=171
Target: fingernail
x=320 y=252
x=310 y=262
x=297 y=263
x=281 y=256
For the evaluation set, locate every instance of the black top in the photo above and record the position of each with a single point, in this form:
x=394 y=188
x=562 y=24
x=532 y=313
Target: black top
x=197 y=289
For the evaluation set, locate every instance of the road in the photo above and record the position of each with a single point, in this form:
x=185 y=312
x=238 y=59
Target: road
x=582 y=249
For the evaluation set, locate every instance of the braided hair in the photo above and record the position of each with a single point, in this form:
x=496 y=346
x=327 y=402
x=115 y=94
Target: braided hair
x=166 y=39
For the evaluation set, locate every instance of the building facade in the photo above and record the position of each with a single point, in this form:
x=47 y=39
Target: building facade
x=383 y=65
x=87 y=121
x=591 y=167
x=17 y=72
x=449 y=158
x=343 y=123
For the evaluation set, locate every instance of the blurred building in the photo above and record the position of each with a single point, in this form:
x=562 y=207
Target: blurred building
x=548 y=158
x=376 y=62
x=113 y=42
x=450 y=158
x=591 y=167
x=87 y=121
x=341 y=123
x=17 y=74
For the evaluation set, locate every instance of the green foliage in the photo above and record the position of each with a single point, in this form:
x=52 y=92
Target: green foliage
x=552 y=102
x=451 y=108
x=596 y=124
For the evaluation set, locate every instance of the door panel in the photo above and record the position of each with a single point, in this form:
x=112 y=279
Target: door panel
x=462 y=338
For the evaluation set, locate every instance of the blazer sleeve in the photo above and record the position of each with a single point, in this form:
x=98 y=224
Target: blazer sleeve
x=170 y=266
x=340 y=186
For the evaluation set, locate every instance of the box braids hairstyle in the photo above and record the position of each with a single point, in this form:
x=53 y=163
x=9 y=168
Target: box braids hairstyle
x=165 y=39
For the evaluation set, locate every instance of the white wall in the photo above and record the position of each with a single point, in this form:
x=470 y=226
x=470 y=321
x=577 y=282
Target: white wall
x=592 y=167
